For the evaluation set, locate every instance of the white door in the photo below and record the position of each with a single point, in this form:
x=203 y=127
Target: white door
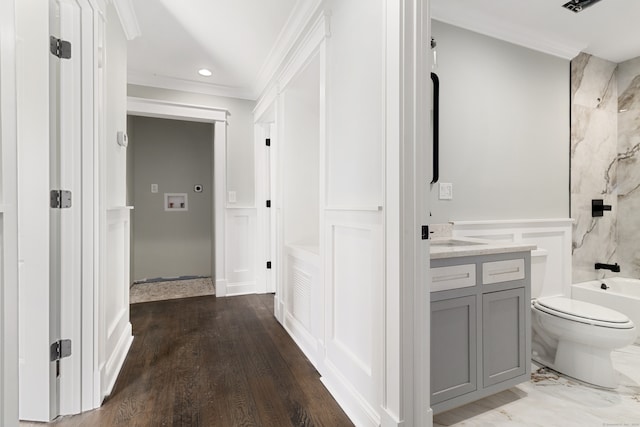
x=66 y=126
x=8 y=219
x=50 y=122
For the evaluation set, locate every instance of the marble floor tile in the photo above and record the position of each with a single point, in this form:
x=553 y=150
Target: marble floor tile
x=550 y=400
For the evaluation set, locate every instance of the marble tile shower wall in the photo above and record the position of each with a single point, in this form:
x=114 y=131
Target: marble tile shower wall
x=605 y=140
x=628 y=251
x=594 y=102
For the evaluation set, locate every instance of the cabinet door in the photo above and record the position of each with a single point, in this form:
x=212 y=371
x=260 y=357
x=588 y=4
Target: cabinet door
x=453 y=348
x=504 y=335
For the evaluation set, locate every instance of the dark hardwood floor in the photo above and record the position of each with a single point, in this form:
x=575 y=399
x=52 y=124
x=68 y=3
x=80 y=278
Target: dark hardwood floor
x=213 y=362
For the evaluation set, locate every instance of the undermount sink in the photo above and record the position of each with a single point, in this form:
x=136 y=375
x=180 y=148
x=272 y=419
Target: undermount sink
x=453 y=243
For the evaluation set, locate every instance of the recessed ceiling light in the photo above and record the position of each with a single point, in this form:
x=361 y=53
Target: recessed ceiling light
x=204 y=72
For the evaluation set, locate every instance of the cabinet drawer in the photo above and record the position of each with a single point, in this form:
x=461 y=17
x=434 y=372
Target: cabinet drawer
x=502 y=271
x=453 y=277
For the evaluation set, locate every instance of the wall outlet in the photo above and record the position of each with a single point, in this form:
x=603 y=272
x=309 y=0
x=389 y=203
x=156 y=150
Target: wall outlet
x=154 y=188
x=231 y=197
x=446 y=191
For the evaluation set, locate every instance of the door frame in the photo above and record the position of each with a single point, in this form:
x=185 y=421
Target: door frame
x=218 y=118
x=266 y=216
x=8 y=219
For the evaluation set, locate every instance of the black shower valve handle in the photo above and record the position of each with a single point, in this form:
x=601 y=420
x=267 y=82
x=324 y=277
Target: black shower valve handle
x=598 y=207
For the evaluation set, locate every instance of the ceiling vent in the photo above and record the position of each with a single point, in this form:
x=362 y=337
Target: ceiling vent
x=579 y=5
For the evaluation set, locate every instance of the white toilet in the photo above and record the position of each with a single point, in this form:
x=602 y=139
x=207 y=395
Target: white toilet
x=574 y=337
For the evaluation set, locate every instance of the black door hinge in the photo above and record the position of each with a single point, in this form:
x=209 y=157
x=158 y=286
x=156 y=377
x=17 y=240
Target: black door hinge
x=268 y=203
x=268 y=142
x=268 y=265
x=60 y=199
x=60 y=349
x=60 y=48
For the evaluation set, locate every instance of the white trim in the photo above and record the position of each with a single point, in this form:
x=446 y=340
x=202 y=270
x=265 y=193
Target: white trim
x=154 y=80
x=128 y=19
x=236 y=289
x=175 y=110
x=287 y=40
x=219 y=186
x=354 y=405
x=354 y=208
x=111 y=368
x=504 y=30
x=498 y=224
x=307 y=52
x=265 y=106
x=8 y=220
x=216 y=116
x=406 y=333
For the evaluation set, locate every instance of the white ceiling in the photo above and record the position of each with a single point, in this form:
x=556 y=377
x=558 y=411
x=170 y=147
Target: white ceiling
x=233 y=38
x=609 y=29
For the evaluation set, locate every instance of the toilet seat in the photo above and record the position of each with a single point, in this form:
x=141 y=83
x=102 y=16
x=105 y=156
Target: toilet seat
x=583 y=312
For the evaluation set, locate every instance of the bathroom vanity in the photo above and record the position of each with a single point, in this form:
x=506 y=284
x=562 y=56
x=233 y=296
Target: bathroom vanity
x=480 y=319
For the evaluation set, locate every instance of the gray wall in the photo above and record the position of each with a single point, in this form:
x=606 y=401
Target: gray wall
x=504 y=126
x=176 y=155
x=240 y=140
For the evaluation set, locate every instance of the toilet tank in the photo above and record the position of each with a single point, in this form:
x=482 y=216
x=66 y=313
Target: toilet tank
x=538 y=272
x=550 y=274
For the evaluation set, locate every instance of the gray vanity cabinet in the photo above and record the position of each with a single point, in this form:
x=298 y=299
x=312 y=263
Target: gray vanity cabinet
x=480 y=327
x=453 y=347
x=503 y=336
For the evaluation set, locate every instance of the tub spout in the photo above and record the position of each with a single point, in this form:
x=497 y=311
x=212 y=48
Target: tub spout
x=613 y=267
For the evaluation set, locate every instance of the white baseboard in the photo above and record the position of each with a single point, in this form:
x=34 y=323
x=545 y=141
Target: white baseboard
x=388 y=419
x=111 y=369
x=428 y=415
x=221 y=287
x=303 y=339
x=351 y=402
x=236 y=289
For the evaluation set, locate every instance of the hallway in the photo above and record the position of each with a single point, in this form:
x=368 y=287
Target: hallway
x=209 y=361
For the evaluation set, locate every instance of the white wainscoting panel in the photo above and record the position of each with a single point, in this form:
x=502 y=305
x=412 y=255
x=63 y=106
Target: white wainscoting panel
x=114 y=316
x=551 y=261
x=303 y=296
x=241 y=247
x=354 y=275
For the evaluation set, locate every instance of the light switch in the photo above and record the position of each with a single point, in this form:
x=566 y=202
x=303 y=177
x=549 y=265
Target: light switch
x=446 y=191
x=154 y=188
x=232 y=197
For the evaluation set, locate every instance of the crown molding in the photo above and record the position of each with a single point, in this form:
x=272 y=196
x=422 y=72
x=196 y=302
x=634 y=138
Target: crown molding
x=165 y=82
x=128 y=19
x=502 y=30
x=299 y=19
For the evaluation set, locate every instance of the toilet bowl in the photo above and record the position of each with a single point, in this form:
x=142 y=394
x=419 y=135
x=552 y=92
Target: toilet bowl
x=576 y=338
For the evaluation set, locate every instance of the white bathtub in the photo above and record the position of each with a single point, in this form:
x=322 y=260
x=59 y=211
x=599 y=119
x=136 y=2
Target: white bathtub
x=623 y=295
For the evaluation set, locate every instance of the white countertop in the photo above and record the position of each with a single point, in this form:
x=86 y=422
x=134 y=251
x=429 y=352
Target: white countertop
x=440 y=247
